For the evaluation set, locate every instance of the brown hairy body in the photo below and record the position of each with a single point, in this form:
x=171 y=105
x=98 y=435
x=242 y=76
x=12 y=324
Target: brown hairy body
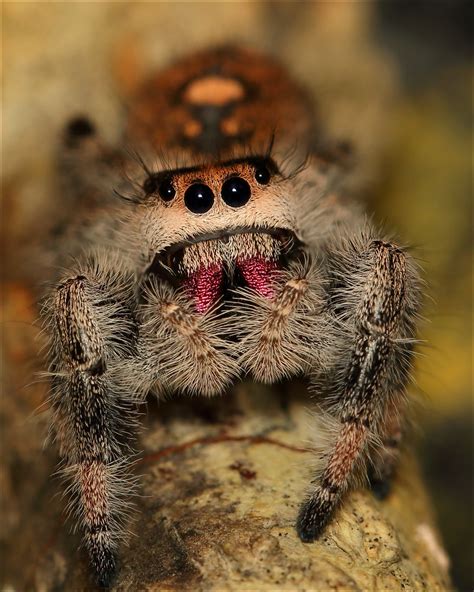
x=226 y=249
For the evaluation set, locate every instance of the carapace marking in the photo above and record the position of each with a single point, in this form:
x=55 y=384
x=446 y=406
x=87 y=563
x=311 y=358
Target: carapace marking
x=220 y=108
x=213 y=90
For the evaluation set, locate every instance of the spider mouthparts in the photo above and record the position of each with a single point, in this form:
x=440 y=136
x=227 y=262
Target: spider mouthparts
x=204 y=286
x=259 y=273
x=206 y=266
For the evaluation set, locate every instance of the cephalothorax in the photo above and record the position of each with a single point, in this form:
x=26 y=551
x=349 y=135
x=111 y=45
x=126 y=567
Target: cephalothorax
x=242 y=257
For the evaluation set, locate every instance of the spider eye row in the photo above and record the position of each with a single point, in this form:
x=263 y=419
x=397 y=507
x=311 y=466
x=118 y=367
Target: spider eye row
x=199 y=197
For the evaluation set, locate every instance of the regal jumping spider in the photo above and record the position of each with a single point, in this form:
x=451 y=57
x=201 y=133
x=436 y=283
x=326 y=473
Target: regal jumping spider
x=233 y=261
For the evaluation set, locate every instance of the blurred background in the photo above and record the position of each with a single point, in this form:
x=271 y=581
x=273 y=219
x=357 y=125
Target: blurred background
x=394 y=78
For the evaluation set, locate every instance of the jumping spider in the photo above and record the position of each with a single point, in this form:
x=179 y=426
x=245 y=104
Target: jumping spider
x=234 y=261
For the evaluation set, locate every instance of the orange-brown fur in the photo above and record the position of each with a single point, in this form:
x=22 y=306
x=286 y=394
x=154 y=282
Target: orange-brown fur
x=261 y=99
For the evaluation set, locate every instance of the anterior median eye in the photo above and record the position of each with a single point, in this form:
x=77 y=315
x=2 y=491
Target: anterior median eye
x=236 y=192
x=198 y=198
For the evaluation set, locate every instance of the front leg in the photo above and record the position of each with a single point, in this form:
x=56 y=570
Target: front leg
x=374 y=296
x=191 y=349
x=94 y=334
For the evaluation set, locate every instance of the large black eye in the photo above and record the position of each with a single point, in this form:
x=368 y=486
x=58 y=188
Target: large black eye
x=166 y=190
x=199 y=198
x=262 y=174
x=235 y=192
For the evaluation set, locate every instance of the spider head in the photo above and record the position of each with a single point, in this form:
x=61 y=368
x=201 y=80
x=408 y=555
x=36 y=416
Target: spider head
x=217 y=225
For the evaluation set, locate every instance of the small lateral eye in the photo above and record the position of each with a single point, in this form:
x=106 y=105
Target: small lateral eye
x=163 y=186
x=166 y=190
x=151 y=184
x=80 y=127
x=262 y=174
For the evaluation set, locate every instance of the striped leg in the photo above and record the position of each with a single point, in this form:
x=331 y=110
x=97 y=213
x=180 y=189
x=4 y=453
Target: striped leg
x=381 y=323
x=92 y=330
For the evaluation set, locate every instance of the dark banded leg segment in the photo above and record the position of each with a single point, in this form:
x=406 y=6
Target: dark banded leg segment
x=89 y=415
x=379 y=323
x=92 y=431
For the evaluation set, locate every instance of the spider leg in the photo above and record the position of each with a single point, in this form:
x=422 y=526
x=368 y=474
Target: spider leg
x=93 y=332
x=88 y=167
x=274 y=340
x=374 y=294
x=383 y=465
x=189 y=348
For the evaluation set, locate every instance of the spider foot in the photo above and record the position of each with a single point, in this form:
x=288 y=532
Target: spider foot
x=105 y=566
x=313 y=517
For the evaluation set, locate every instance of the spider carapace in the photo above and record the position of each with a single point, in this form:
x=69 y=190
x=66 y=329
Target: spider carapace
x=216 y=242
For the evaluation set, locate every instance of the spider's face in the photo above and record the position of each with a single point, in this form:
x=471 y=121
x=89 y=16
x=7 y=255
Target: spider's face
x=222 y=224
